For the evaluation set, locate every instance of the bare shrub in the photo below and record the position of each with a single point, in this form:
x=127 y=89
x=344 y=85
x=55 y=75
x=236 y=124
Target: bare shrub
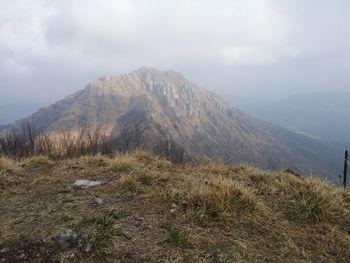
x=171 y=151
x=132 y=134
x=24 y=140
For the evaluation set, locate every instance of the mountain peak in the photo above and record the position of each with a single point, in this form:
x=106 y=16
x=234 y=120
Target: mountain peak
x=178 y=110
x=147 y=69
x=156 y=74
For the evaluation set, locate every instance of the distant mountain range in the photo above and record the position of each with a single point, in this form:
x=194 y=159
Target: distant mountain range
x=178 y=110
x=321 y=115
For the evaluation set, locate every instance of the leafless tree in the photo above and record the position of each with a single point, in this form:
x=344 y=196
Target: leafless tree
x=25 y=140
x=171 y=151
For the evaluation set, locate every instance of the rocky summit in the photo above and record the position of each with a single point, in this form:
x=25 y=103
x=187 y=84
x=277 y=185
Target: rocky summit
x=171 y=108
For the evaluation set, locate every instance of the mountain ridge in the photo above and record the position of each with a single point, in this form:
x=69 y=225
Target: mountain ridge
x=178 y=110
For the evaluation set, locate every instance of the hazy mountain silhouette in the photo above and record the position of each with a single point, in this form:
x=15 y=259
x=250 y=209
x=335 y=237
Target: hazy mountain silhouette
x=178 y=110
x=321 y=115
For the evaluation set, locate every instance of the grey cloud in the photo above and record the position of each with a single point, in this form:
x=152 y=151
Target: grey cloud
x=235 y=48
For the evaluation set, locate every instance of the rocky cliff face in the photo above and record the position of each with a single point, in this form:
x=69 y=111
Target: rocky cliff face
x=178 y=110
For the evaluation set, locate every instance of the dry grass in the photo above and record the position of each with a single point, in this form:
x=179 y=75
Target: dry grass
x=3 y=179
x=7 y=170
x=123 y=163
x=144 y=156
x=217 y=168
x=153 y=211
x=37 y=161
x=219 y=198
x=312 y=200
x=95 y=161
x=128 y=182
x=300 y=199
x=6 y=164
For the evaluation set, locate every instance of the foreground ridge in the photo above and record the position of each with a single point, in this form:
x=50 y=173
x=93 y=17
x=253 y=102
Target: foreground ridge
x=138 y=207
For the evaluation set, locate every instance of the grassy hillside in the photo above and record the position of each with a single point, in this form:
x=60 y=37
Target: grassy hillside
x=149 y=210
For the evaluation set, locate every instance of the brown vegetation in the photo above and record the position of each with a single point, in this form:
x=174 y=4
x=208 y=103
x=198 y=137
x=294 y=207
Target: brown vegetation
x=153 y=211
x=6 y=164
x=24 y=140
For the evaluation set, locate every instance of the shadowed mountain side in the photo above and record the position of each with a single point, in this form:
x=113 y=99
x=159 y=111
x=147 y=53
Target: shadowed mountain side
x=176 y=109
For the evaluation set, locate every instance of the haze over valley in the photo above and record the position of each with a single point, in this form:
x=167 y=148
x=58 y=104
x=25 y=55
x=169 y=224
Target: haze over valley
x=322 y=115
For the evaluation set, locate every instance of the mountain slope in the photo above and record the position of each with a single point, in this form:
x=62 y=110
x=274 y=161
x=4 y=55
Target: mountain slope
x=178 y=110
x=321 y=115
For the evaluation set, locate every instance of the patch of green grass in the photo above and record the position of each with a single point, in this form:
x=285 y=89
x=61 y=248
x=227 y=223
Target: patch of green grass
x=179 y=237
x=202 y=219
x=145 y=179
x=97 y=231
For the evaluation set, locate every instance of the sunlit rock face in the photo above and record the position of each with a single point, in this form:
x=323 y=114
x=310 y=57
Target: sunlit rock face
x=179 y=110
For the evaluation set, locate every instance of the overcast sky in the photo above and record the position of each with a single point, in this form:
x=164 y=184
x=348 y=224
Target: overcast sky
x=237 y=48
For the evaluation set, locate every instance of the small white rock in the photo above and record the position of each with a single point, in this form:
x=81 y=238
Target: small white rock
x=67 y=239
x=99 y=201
x=88 y=183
